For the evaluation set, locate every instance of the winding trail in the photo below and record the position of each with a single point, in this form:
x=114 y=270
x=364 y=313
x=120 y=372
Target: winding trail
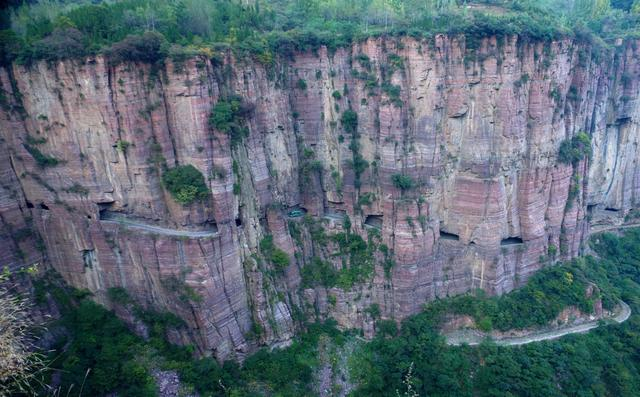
x=472 y=337
x=129 y=224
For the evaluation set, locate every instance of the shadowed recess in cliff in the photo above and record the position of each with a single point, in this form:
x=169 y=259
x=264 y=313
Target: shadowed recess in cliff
x=374 y=221
x=511 y=241
x=448 y=236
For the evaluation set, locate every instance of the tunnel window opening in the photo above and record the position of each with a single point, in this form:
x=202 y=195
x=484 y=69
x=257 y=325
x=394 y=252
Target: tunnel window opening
x=105 y=210
x=623 y=119
x=374 y=221
x=213 y=226
x=29 y=204
x=44 y=206
x=238 y=222
x=511 y=241
x=88 y=216
x=611 y=209
x=296 y=211
x=449 y=236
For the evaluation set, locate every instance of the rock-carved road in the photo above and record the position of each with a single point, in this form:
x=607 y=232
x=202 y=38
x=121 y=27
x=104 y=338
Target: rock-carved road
x=471 y=337
x=129 y=224
x=455 y=338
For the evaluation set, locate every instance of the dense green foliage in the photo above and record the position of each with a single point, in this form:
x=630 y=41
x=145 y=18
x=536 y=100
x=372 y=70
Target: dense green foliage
x=185 y=183
x=54 y=30
x=102 y=344
x=349 y=120
x=357 y=257
x=228 y=116
x=347 y=259
x=102 y=356
x=308 y=166
x=543 y=297
x=604 y=362
x=318 y=273
x=147 y=47
x=575 y=149
x=402 y=182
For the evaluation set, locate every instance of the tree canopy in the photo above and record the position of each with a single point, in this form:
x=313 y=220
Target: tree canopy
x=66 y=29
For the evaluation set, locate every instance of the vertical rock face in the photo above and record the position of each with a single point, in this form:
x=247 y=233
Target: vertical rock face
x=475 y=132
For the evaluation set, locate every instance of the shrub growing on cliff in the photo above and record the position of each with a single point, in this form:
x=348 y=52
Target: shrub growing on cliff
x=402 y=182
x=41 y=159
x=575 y=149
x=349 y=121
x=357 y=257
x=308 y=167
x=185 y=183
x=318 y=272
x=275 y=255
x=228 y=115
x=122 y=146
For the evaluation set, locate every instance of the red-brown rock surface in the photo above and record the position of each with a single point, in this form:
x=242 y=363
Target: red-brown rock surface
x=478 y=132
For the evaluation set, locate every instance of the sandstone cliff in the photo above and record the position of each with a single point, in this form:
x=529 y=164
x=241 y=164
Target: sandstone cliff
x=476 y=130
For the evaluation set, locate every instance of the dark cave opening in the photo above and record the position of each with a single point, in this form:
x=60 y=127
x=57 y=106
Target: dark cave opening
x=449 y=236
x=511 y=241
x=374 y=221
